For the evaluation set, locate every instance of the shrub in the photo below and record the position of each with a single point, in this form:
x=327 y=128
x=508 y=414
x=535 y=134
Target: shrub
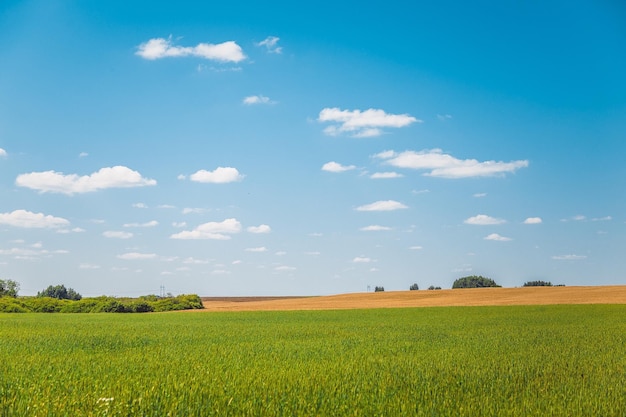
x=414 y=287
x=538 y=284
x=474 y=281
x=432 y=287
x=12 y=305
x=379 y=289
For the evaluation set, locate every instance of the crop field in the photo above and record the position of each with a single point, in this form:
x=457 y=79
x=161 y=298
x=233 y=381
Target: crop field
x=541 y=360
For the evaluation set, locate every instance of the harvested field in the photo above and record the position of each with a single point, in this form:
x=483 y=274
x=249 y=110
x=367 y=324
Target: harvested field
x=425 y=298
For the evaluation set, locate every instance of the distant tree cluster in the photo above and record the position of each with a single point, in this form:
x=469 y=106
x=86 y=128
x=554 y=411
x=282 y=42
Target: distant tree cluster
x=60 y=293
x=9 y=288
x=414 y=287
x=432 y=287
x=379 y=289
x=538 y=284
x=474 y=281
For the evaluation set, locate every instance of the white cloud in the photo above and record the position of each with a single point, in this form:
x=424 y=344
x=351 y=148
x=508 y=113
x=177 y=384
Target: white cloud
x=211 y=230
x=386 y=175
x=250 y=100
x=30 y=220
x=337 y=167
x=3 y=153
x=179 y=224
x=602 y=219
x=415 y=248
x=259 y=229
x=88 y=266
x=484 y=220
x=359 y=123
x=374 y=228
x=533 y=220
x=271 y=43
x=117 y=235
x=569 y=257
x=387 y=205
x=139 y=205
x=57 y=182
x=194 y=261
x=281 y=253
x=446 y=166
x=220 y=175
x=284 y=268
x=83 y=154
x=194 y=210
x=480 y=195
x=497 y=237
x=313 y=253
x=259 y=249
x=158 y=48
x=151 y=223
x=444 y=117
x=132 y=256
x=362 y=259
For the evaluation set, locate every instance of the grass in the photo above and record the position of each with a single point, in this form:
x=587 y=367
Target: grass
x=456 y=361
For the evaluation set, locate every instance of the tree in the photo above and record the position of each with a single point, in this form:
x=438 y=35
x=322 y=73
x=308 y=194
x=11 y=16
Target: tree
x=414 y=287
x=9 y=288
x=432 y=287
x=60 y=292
x=379 y=289
x=474 y=281
x=538 y=284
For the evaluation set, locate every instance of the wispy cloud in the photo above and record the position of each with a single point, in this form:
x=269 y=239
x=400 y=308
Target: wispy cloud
x=337 y=167
x=158 y=48
x=57 y=182
x=362 y=260
x=151 y=223
x=259 y=249
x=117 y=234
x=387 y=205
x=443 y=165
x=497 y=238
x=484 y=220
x=250 y=100
x=134 y=256
x=29 y=220
x=367 y=123
x=569 y=257
x=271 y=44
x=386 y=175
x=3 y=153
x=374 y=228
x=211 y=230
x=444 y=117
x=221 y=175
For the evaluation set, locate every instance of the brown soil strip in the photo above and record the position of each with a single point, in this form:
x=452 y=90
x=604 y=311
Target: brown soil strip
x=425 y=298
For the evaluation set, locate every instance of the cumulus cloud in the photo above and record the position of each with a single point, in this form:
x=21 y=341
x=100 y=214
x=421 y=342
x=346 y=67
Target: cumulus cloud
x=359 y=123
x=337 y=167
x=158 y=48
x=443 y=165
x=569 y=257
x=151 y=223
x=533 y=220
x=484 y=220
x=133 y=256
x=220 y=175
x=385 y=175
x=271 y=44
x=388 y=205
x=117 y=235
x=374 y=228
x=264 y=228
x=57 y=182
x=3 y=153
x=259 y=249
x=257 y=100
x=211 y=230
x=139 y=205
x=30 y=220
x=497 y=238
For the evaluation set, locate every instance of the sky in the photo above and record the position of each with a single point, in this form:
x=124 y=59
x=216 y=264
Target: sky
x=287 y=148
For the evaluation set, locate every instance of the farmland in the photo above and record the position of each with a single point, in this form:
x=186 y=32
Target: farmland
x=479 y=360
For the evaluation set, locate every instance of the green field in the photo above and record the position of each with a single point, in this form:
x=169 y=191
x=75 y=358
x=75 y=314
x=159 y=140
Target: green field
x=464 y=361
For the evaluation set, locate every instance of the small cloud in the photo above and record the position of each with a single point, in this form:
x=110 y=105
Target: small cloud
x=316 y=234
x=195 y=261
x=3 y=153
x=444 y=117
x=88 y=266
x=250 y=100
x=57 y=182
x=480 y=195
x=360 y=124
x=569 y=257
x=257 y=250
x=211 y=230
x=374 y=228
x=336 y=167
x=415 y=247
x=420 y=191
x=236 y=262
x=602 y=219
x=271 y=44
x=179 y=224
x=388 y=205
x=132 y=256
x=313 y=253
x=259 y=229
x=220 y=272
x=29 y=220
x=181 y=177
x=284 y=268
x=386 y=175
x=158 y=48
x=497 y=237
x=281 y=253
x=220 y=175
x=83 y=155
x=484 y=220
x=362 y=259
x=533 y=220
x=73 y=230
x=194 y=210
x=577 y=218
x=117 y=235
x=139 y=205
x=151 y=223
x=166 y=206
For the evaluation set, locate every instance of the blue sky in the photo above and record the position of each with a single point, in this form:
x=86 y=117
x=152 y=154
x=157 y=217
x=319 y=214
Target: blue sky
x=288 y=149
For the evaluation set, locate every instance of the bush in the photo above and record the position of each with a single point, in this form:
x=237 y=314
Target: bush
x=379 y=289
x=432 y=287
x=537 y=284
x=474 y=281
x=12 y=305
x=414 y=287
